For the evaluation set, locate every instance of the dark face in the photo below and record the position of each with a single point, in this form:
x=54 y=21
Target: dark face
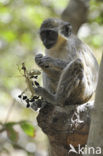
x=49 y=37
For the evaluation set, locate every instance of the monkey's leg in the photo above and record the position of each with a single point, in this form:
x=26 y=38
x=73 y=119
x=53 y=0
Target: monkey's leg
x=72 y=80
x=74 y=86
x=49 y=65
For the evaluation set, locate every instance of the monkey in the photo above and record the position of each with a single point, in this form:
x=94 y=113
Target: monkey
x=70 y=69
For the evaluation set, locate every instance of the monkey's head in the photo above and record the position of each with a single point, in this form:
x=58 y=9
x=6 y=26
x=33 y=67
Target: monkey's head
x=51 y=29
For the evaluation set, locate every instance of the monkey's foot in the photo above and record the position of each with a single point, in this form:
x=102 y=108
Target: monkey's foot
x=45 y=94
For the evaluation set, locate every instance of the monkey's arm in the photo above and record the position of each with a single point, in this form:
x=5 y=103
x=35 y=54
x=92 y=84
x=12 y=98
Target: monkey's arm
x=50 y=65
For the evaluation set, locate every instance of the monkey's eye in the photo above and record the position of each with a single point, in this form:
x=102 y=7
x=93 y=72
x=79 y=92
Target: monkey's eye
x=49 y=37
x=50 y=34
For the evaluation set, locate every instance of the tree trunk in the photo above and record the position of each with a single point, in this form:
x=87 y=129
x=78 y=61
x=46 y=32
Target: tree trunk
x=96 y=129
x=65 y=127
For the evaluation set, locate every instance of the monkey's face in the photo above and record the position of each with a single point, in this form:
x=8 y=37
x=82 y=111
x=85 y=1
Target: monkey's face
x=49 y=37
x=51 y=29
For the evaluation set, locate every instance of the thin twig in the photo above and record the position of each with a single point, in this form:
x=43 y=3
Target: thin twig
x=10 y=110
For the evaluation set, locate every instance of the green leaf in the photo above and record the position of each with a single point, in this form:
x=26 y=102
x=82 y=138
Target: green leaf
x=28 y=128
x=12 y=134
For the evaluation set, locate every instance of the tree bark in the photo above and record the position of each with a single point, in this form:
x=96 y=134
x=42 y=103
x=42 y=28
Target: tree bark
x=96 y=129
x=76 y=13
x=65 y=126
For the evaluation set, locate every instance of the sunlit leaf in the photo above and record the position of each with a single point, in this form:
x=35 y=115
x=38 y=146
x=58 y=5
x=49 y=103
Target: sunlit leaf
x=28 y=128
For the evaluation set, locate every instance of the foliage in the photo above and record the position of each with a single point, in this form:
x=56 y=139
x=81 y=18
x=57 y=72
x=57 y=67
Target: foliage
x=95 y=22
x=12 y=133
x=19 y=24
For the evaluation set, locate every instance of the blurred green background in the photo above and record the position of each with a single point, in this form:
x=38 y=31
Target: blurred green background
x=19 y=42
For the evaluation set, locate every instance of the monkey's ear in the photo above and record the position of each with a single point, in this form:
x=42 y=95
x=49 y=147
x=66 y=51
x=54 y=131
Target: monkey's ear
x=66 y=29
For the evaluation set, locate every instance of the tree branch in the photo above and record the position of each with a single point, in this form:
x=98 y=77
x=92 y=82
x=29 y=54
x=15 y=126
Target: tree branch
x=65 y=126
x=96 y=129
x=76 y=13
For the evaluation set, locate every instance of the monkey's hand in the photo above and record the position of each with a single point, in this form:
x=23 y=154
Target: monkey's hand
x=50 y=65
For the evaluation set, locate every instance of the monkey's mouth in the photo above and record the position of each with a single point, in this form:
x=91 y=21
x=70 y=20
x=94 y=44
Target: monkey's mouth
x=49 y=45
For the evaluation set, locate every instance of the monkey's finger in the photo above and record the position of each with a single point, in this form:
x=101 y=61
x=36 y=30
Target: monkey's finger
x=38 y=57
x=42 y=62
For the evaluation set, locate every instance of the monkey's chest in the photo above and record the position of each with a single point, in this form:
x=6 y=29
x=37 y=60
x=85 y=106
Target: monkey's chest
x=60 y=53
